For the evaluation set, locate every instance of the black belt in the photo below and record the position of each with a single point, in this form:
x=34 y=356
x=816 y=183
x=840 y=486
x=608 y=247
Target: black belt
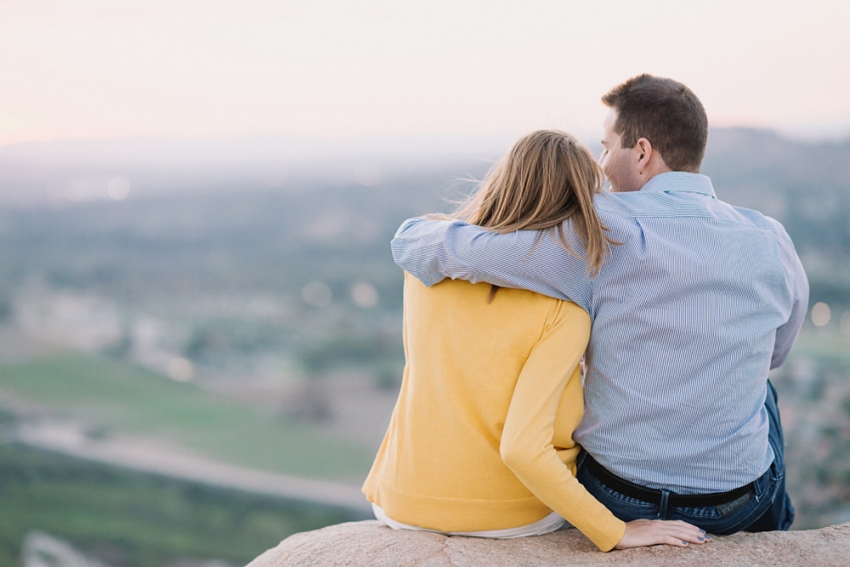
x=674 y=500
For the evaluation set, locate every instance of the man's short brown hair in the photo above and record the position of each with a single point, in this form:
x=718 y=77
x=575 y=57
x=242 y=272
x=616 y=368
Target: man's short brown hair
x=665 y=112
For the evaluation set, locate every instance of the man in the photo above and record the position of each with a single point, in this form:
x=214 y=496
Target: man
x=690 y=312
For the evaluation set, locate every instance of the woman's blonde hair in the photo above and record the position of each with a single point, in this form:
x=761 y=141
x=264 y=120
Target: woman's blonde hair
x=547 y=179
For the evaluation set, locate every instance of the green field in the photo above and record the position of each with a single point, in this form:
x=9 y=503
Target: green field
x=824 y=346
x=116 y=397
x=131 y=519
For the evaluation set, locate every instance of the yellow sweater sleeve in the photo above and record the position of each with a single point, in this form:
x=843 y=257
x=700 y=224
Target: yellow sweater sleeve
x=526 y=445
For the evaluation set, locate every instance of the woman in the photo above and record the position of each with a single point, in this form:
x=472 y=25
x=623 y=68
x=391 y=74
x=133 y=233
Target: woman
x=480 y=441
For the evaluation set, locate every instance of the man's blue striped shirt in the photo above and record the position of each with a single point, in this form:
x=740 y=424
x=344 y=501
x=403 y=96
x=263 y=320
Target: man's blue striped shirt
x=689 y=314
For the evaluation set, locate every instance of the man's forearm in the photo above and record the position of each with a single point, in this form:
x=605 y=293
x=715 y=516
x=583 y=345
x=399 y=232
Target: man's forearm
x=434 y=250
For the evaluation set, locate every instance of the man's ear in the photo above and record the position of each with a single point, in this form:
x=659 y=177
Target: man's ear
x=644 y=154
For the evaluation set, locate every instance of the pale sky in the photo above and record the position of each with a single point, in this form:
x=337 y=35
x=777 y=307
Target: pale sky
x=335 y=69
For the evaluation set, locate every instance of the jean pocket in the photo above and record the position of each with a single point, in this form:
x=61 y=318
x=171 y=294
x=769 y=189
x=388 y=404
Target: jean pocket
x=729 y=508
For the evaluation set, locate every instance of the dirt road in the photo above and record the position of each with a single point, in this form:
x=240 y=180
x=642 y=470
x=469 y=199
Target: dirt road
x=69 y=438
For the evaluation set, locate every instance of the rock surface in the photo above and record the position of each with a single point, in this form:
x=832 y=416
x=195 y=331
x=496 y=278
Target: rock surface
x=370 y=544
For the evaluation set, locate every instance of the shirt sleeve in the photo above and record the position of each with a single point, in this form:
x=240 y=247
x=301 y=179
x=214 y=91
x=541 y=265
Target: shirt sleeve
x=798 y=286
x=434 y=250
x=526 y=445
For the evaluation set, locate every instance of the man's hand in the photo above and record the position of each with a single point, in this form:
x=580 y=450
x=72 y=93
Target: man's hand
x=655 y=532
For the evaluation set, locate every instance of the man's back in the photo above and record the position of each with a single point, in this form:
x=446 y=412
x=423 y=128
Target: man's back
x=689 y=314
x=685 y=314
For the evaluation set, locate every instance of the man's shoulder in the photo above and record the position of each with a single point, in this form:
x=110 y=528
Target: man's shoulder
x=618 y=206
x=757 y=219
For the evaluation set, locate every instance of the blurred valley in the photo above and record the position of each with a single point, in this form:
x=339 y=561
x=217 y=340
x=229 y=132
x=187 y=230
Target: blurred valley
x=200 y=322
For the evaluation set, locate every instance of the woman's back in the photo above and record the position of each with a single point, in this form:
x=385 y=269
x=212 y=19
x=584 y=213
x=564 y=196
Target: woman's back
x=440 y=465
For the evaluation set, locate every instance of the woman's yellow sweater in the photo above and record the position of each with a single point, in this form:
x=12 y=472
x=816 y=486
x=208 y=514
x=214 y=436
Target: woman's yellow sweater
x=481 y=435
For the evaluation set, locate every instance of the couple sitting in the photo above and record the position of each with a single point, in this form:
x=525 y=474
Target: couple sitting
x=674 y=431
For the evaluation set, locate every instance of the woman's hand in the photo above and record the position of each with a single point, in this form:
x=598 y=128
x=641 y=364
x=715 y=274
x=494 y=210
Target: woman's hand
x=655 y=532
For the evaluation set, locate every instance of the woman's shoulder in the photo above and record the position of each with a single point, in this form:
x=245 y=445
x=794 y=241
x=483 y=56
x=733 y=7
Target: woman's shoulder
x=479 y=296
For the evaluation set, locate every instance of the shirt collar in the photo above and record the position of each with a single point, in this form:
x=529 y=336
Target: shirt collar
x=679 y=181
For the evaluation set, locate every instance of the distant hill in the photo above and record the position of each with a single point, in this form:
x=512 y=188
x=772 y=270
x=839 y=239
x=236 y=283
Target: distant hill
x=35 y=173
x=190 y=221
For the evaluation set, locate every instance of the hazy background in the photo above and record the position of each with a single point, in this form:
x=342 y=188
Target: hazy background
x=200 y=320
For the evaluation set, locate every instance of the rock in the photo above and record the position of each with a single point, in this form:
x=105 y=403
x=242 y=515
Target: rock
x=370 y=544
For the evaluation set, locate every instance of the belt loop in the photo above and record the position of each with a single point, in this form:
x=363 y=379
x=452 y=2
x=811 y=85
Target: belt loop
x=582 y=456
x=662 y=506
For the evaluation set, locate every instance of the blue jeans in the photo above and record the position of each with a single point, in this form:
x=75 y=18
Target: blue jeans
x=767 y=507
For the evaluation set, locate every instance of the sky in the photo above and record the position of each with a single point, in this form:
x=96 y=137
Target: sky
x=332 y=70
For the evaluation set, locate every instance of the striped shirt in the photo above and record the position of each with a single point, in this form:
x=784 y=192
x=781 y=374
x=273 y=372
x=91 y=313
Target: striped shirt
x=689 y=315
